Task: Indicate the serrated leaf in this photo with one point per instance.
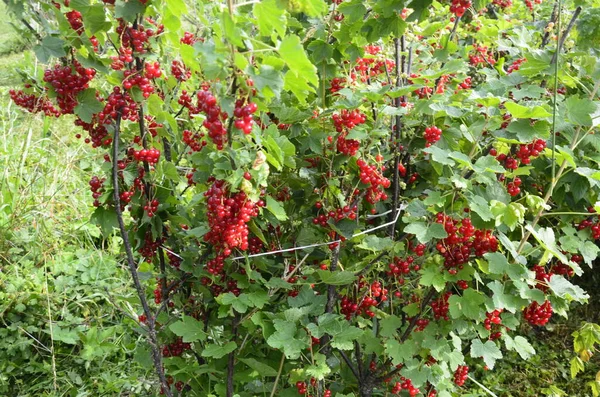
(389, 326)
(526, 112)
(284, 338)
(439, 155)
(50, 47)
(401, 352)
(470, 305)
(336, 277)
(488, 351)
(190, 329)
(579, 110)
(292, 52)
(217, 351)
(276, 209)
(563, 288)
(425, 232)
(376, 244)
(520, 345)
(498, 264)
(480, 206)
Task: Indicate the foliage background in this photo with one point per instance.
(60, 331)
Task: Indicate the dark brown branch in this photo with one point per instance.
(553, 16)
(349, 364)
(152, 338)
(396, 140)
(331, 295)
(563, 36)
(231, 358)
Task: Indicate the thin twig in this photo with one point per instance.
(152, 338)
(349, 364)
(563, 36)
(278, 375)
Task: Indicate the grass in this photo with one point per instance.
(60, 331)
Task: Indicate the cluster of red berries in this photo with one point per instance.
(463, 241)
(337, 215)
(194, 141)
(400, 267)
(458, 7)
(189, 39)
(522, 156)
(460, 375)
(513, 187)
(150, 156)
(492, 318)
(503, 3)
(588, 223)
(125, 56)
(126, 197)
(369, 68)
(465, 84)
(33, 103)
(176, 348)
(243, 114)
(68, 81)
(530, 3)
(302, 387)
(97, 132)
(118, 102)
(180, 71)
(133, 78)
(432, 135)
(516, 65)
(149, 247)
(344, 122)
(152, 70)
(96, 188)
(337, 83)
(369, 175)
(481, 56)
(134, 38)
(440, 306)
(405, 384)
(374, 295)
(151, 207)
(75, 20)
(537, 314)
(207, 103)
(228, 216)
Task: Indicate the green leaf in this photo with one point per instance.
(589, 251)
(470, 305)
(389, 326)
(128, 10)
(284, 338)
(216, 351)
(498, 264)
(94, 19)
(190, 329)
(432, 276)
(263, 369)
(268, 82)
(488, 351)
(88, 105)
(563, 288)
(177, 7)
(526, 132)
(276, 209)
(520, 345)
(344, 340)
(270, 18)
(312, 8)
(292, 52)
(106, 219)
(376, 244)
(337, 277)
(579, 110)
(525, 112)
(439, 155)
(480, 206)
(401, 352)
(425, 232)
(50, 47)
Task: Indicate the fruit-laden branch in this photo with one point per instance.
(152, 339)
